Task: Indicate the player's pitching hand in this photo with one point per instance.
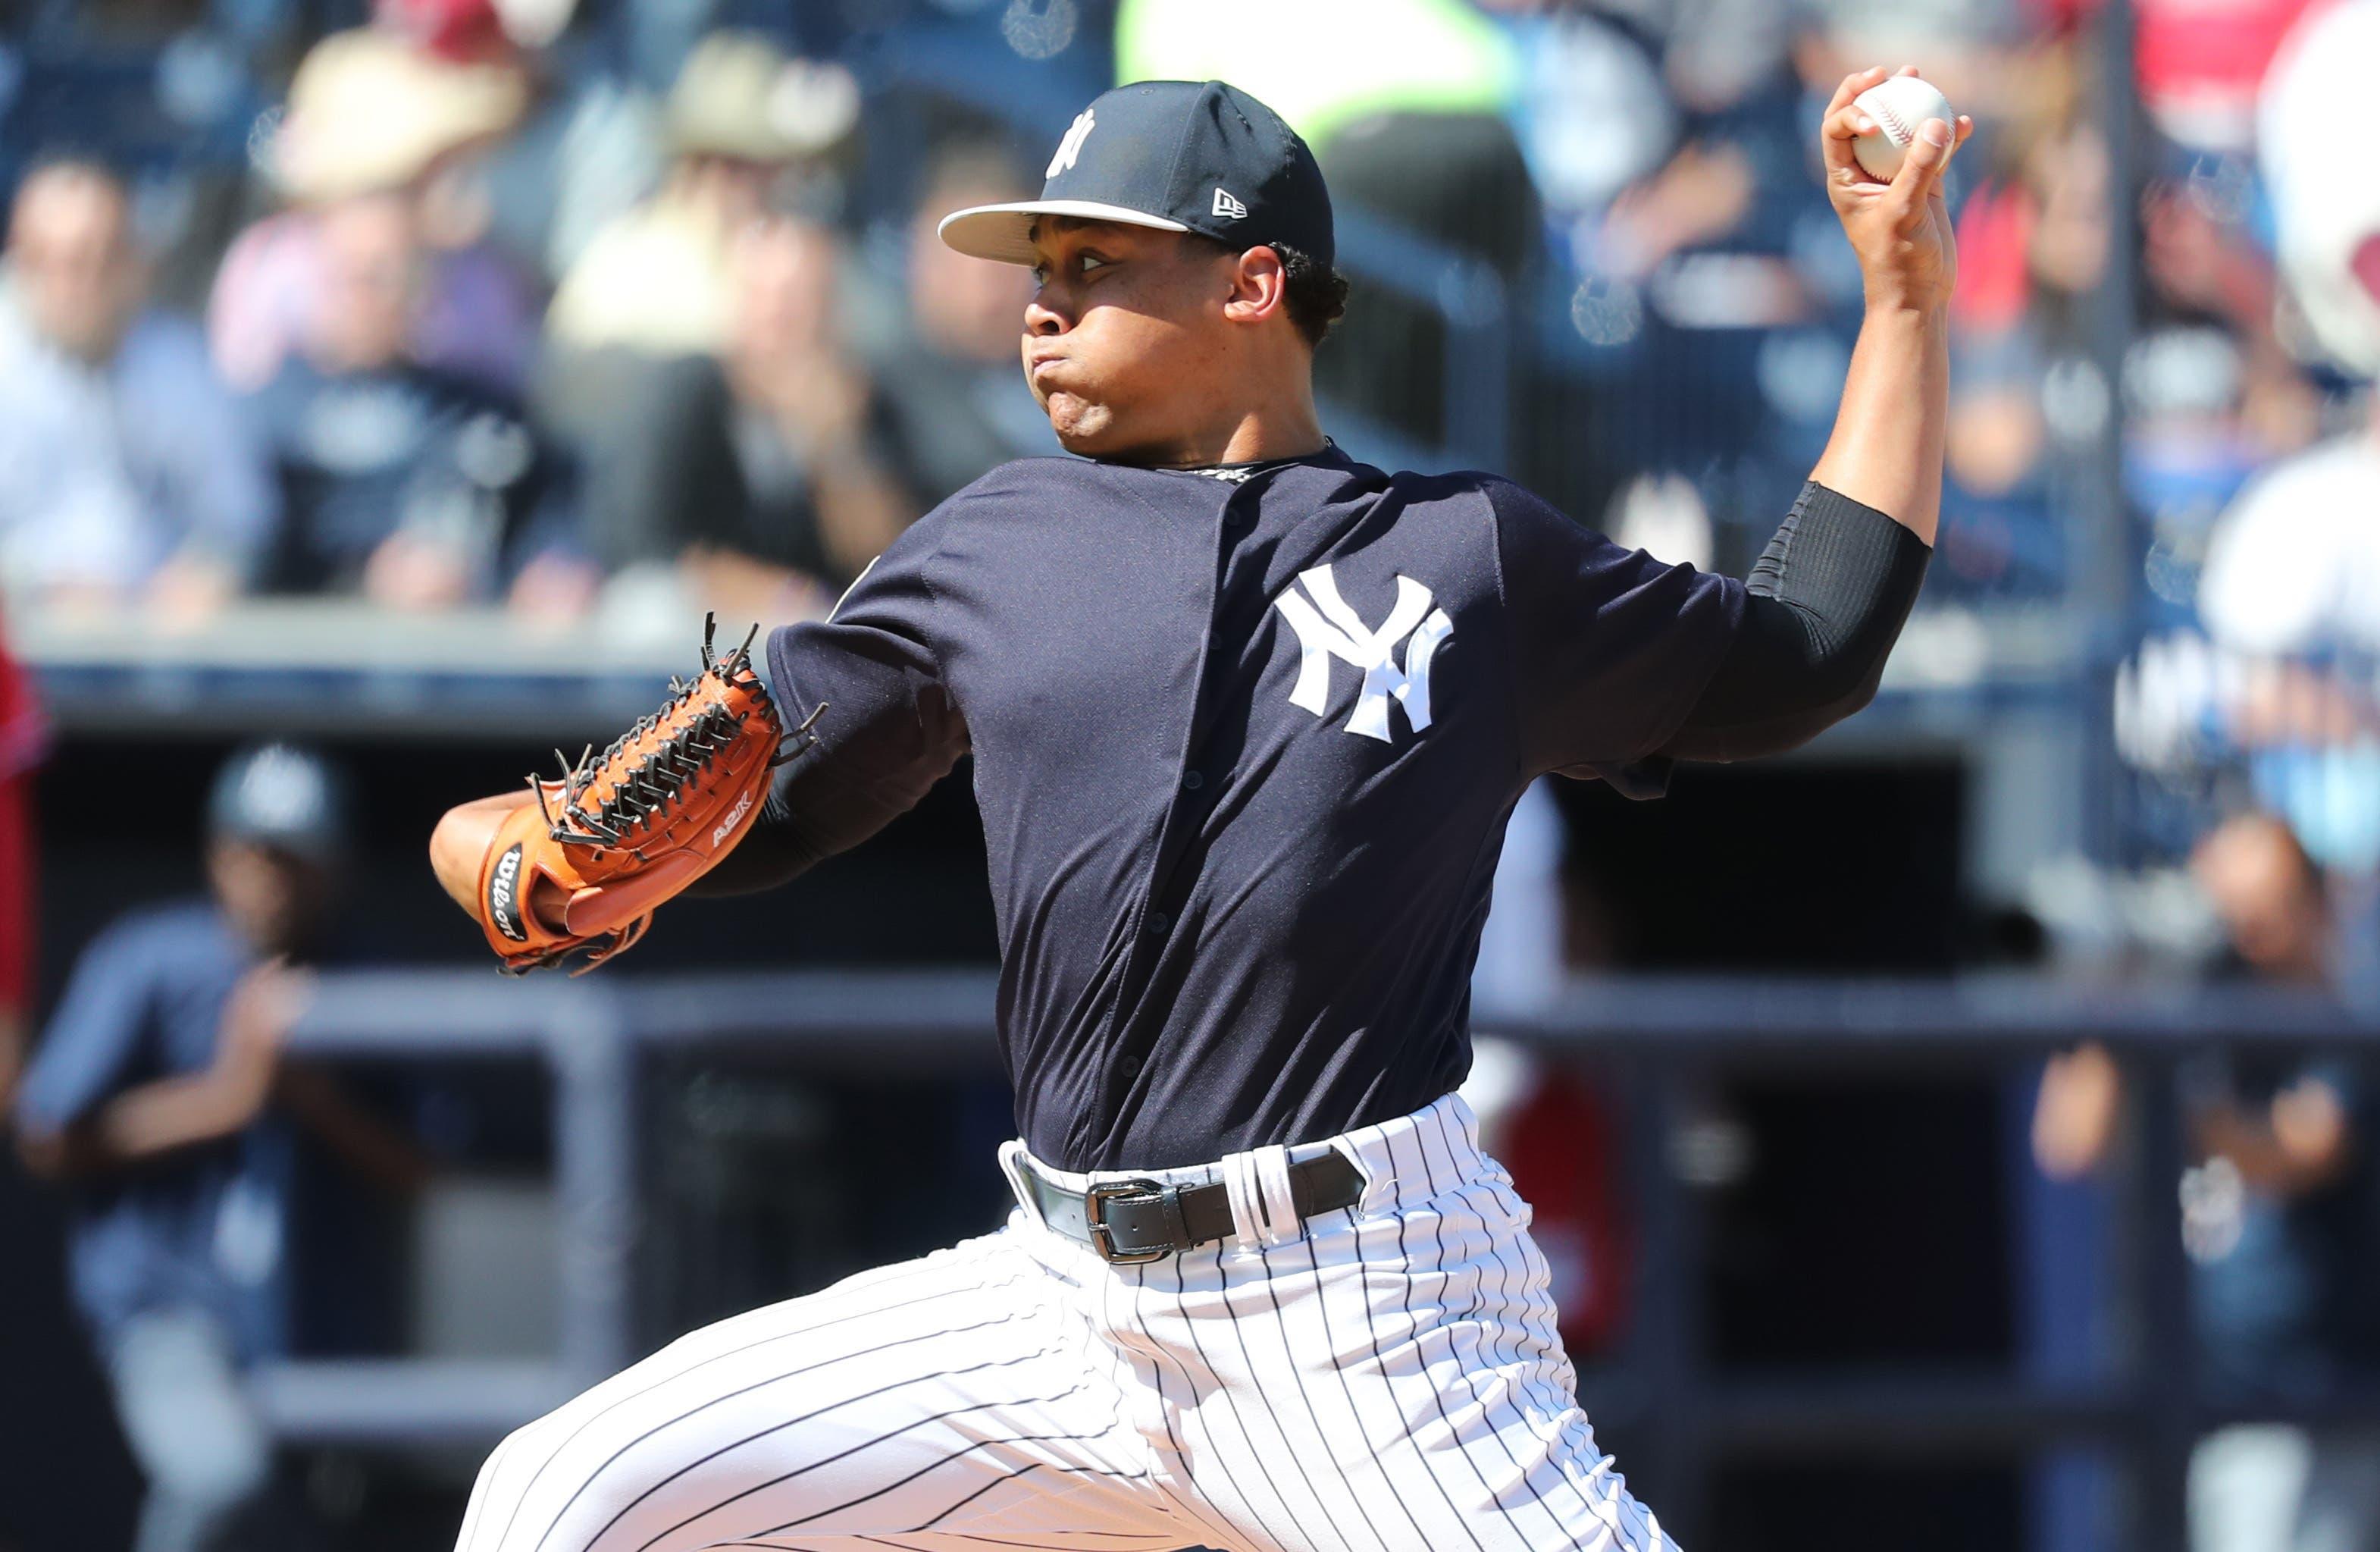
(1907, 256)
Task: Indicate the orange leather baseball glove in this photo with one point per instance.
(583, 868)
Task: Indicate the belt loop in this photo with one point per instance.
(1282, 1223)
(1012, 1164)
(1380, 1180)
(1241, 1191)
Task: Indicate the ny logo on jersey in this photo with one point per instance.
(1071, 146)
(1327, 627)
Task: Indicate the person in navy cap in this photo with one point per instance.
(1248, 717)
(148, 1097)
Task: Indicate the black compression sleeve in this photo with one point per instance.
(772, 852)
(1825, 605)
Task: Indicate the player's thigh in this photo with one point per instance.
(885, 1404)
(1396, 1381)
(1511, 1438)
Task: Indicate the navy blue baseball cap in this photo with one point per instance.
(281, 796)
(1175, 155)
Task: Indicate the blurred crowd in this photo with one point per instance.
(468, 313)
(565, 306)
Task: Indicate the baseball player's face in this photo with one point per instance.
(273, 897)
(1125, 342)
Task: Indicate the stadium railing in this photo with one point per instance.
(1654, 1037)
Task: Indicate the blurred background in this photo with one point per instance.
(1985, 1158)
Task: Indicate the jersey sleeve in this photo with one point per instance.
(887, 727)
(1612, 648)
(94, 1037)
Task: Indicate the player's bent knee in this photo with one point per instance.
(524, 1456)
(553, 1482)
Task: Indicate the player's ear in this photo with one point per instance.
(1259, 286)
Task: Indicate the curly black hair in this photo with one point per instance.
(1316, 295)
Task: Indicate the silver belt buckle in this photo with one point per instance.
(1095, 1207)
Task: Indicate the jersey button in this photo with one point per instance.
(1130, 1066)
(1158, 922)
(1192, 781)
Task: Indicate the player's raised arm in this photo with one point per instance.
(1885, 452)
(1829, 595)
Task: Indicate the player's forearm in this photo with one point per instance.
(1887, 448)
(777, 850)
(175, 1113)
(2264, 1161)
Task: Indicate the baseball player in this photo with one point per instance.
(1248, 717)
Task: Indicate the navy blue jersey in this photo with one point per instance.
(199, 1227)
(1244, 748)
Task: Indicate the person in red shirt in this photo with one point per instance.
(21, 736)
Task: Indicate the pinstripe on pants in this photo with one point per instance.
(1389, 1382)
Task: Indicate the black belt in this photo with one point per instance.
(1130, 1223)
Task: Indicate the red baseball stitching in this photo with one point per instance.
(1897, 127)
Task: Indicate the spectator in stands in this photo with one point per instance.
(745, 123)
(21, 737)
(419, 488)
(764, 477)
(2291, 581)
(950, 378)
(125, 472)
(2276, 1214)
(588, 149)
(148, 1095)
(2038, 229)
(2295, 564)
(374, 112)
(2291, 591)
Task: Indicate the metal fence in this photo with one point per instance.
(1657, 1040)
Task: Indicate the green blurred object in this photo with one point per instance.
(1326, 63)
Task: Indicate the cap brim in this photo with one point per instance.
(1003, 232)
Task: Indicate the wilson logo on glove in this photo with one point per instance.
(504, 897)
(619, 835)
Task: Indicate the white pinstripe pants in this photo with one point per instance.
(1389, 1381)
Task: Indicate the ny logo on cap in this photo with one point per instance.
(1327, 627)
(1226, 204)
(1071, 146)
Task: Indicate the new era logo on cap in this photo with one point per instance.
(1174, 155)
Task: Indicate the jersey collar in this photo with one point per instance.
(1238, 473)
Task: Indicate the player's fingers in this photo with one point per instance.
(1844, 124)
(1921, 165)
(1960, 129)
(1853, 85)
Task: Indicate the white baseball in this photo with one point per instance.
(1898, 106)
